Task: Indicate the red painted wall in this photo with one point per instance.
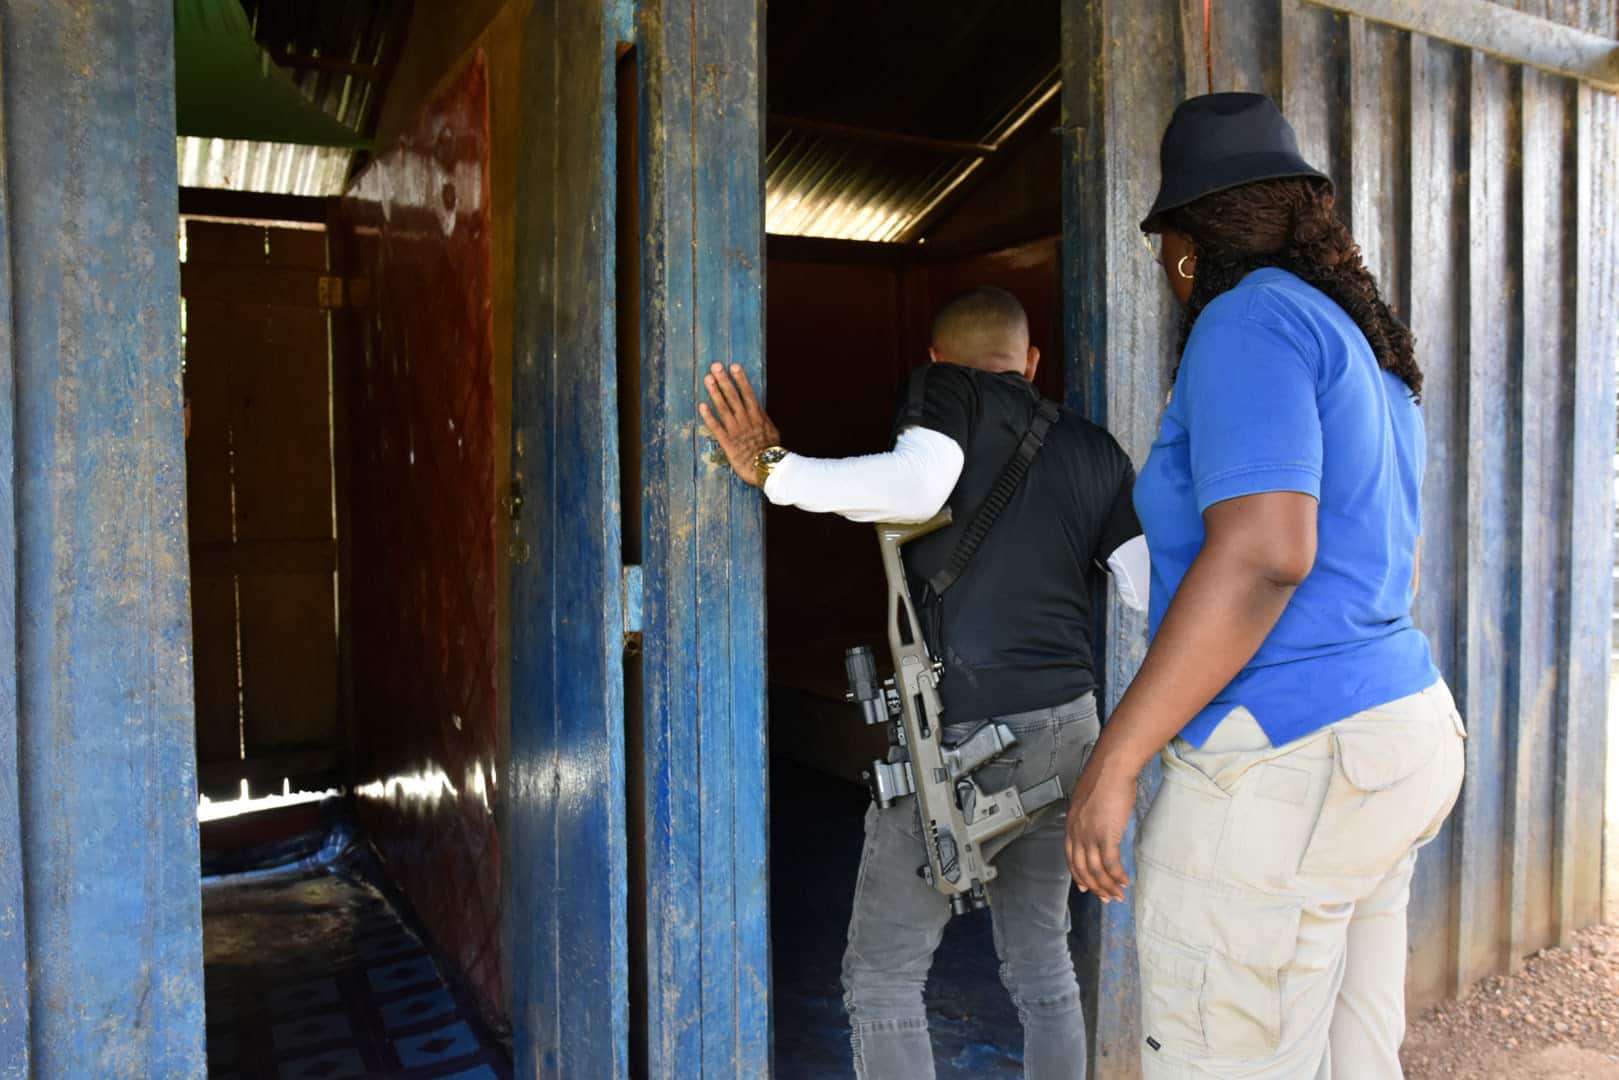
(423, 523)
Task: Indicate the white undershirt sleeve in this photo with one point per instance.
(1131, 567)
(911, 482)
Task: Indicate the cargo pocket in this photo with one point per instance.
(1187, 821)
(1211, 965)
(1377, 802)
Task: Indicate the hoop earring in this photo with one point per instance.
(1180, 267)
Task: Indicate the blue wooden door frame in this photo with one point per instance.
(708, 942)
(706, 983)
(564, 836)
(99, 870)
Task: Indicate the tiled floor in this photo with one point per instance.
(311, 975)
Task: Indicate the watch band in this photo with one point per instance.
(766, 460)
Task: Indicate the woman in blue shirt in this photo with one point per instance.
(1309, 746)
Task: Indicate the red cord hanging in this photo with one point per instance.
(1208, 42)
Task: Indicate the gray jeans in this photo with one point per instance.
(898, 918)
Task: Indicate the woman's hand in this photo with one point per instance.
(1098, 814)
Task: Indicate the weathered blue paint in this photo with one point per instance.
(105, 774)
(671, 610)
(707, 934)
(1484, 197)
(634, 589)
(14, 1056)
(565, 831)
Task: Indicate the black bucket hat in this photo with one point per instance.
(1220, 141)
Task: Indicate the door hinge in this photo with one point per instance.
(336, 292)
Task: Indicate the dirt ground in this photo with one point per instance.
(1558, 1018)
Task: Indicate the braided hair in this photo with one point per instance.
(1290, 224)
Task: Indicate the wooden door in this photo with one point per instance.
(261, 510)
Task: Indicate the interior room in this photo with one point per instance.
(344, 467)
(912, 152)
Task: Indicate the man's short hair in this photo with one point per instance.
(983, 323)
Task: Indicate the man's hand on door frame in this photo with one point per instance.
(736, 421)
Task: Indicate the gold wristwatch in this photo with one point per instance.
(767, 459)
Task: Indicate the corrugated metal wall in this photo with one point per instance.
(1484, 195)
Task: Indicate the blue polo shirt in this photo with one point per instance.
(1278, 390)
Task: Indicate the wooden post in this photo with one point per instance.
(97, 768)
(708, 979)
(1119, 329)
(564, 839)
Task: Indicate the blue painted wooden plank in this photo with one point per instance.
(1587, 638)
(107, 768)
(590, 621)
(729, 327)
(1438, 206)
(569, 928)
(14, 1028)
(738, 49)
(704, 660)
(532, 886)
(669, 471)
(712, 142)
(633, 587)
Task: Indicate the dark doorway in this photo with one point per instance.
(912, 153)
(261, 506)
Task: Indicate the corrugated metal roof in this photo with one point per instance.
(338, 55)
(877, 115)
(843, 187)
(275, 168)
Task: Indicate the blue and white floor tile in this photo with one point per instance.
(311, 975)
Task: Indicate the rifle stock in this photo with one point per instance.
(956, 816)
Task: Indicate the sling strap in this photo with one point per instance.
(1006, 485)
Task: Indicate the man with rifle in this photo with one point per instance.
(1040, 503)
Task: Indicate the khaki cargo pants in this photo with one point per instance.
(1271, 892)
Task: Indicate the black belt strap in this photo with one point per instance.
(1045, 414)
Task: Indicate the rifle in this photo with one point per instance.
(957, 816)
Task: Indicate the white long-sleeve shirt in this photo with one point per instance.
(912, 482)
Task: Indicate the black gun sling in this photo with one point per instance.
(1006, 485)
